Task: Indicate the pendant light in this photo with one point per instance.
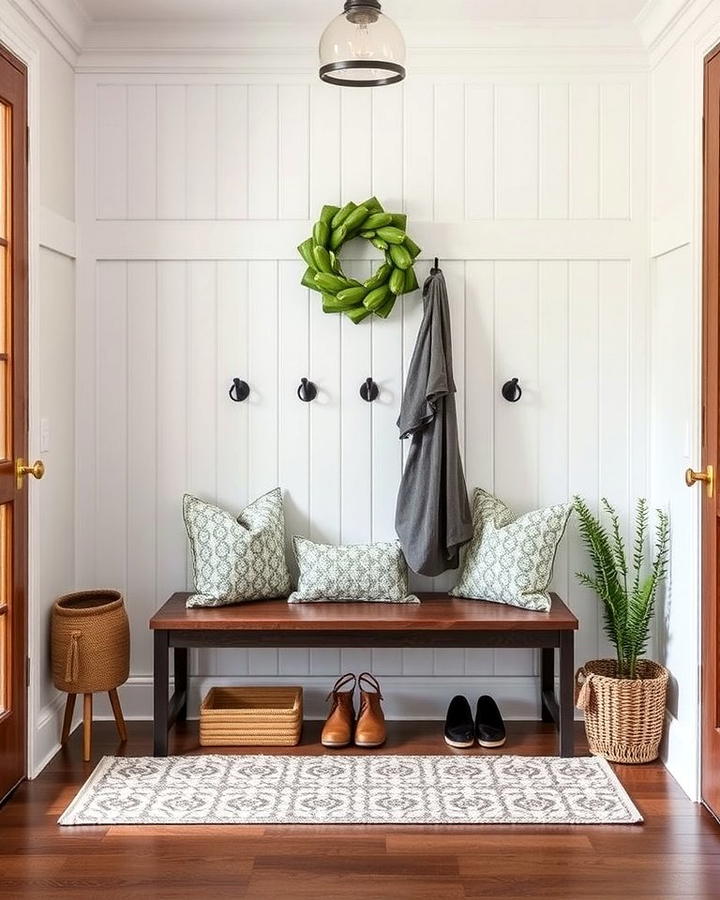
(362, 47)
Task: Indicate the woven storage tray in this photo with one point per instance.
(251, 716)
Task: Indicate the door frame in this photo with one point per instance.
(704, 45)
(22, 44)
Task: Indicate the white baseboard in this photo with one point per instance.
(46, 740)
(680, 755)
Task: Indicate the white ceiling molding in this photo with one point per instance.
(62, 22)
(658, 18)
(285, 47)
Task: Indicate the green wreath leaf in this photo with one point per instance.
(385, 231)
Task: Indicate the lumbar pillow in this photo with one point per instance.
(241, 559)
(371, 572)
(511, 561)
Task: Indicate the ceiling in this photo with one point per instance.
(322, 10)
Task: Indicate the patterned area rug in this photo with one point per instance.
(321, 790)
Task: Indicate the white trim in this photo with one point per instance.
(46, 733)
(262, 239)
(658, 18)
(53, 19)
(57, 233)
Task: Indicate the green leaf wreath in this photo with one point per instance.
(386, 231)
(627, 593)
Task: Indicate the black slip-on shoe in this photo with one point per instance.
(459, 728)
(489, 725)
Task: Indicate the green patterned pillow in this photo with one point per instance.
(511, 561)
(241, 559)
(367, 572)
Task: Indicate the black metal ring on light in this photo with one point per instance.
(362, 64)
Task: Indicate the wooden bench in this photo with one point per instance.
(439, 621)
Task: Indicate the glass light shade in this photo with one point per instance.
(362, 48)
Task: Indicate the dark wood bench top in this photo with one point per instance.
(437, 612)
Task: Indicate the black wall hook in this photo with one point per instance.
(512, 391)
(239, 391)
(306, 391)
(369, 390)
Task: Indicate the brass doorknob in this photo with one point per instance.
(37, 470)
(708, 477)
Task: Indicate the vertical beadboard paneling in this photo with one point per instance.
(325, 414)
(201, 166)
(613, 397)
(111, 418)
(232, 449)
(419, 150)
(170, 336)
(583, 435)
(449, 152)
(325, 147)
(232, 362)
(614, 151)
(479, 151)
(293, 151)
(293, 414)
(516, 430)
(387, 146)
(141, 451)
(516, 151)
(172, 435)
(584, 151)
(356, 139)
(142, 152)
(171, 148)
(356, 430)
(232, 151)
(480, 388)
(554, 151)
(201, 393)
(553, 399)
(262, 126)
(111, 160)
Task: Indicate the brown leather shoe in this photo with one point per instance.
(338, 728)
(370, 728)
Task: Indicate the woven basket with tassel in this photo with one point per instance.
(90, 642)
(624, 717)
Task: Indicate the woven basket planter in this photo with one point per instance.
(90, 642)
(624, 717)
(251, 716)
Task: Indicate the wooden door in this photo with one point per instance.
(13, 420)
(710, 774)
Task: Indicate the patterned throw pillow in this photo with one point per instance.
(241, 559)
(511, 561)
(370, 572)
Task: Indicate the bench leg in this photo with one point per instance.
(181, 681)
(567, 700)
(161, 676)
(547, 682)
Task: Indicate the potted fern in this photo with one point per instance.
(624, 698)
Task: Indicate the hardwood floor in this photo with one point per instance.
(676, 853)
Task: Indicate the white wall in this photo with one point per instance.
(676, 202)
(52, 353)
(196, 189)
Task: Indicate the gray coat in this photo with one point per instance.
(433, 518)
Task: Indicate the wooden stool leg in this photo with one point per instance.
(87, 726)
(67, 720)
(117, 712)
